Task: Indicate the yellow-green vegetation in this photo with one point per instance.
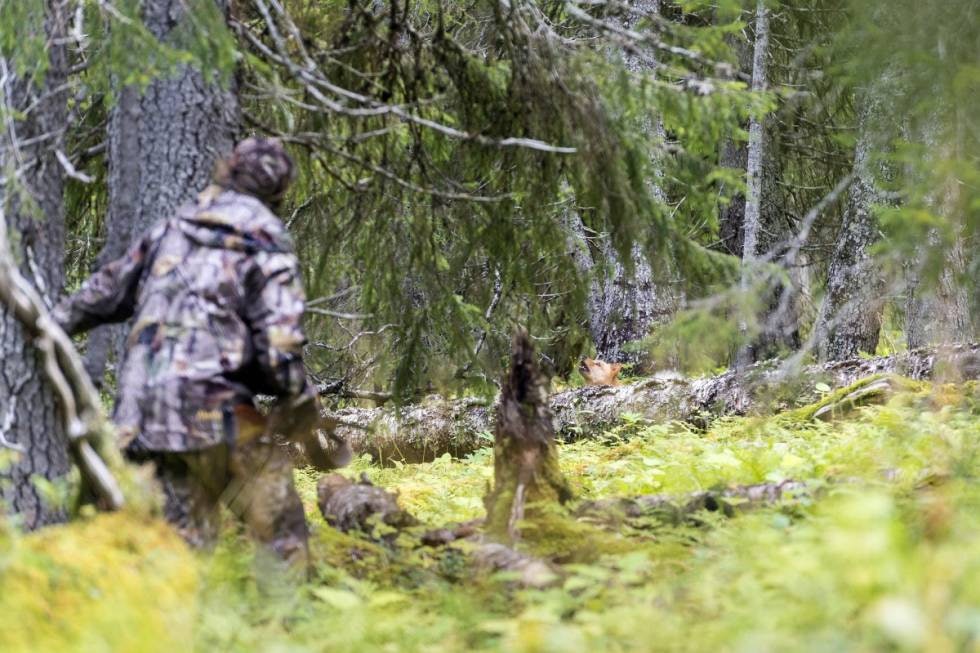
(883, 555)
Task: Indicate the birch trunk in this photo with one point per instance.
(775, 319)
(754, 159)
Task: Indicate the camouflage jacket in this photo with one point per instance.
(217, 299)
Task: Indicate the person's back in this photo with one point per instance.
(219, 276)
(216, 300)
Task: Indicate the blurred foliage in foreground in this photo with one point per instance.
(885, 559)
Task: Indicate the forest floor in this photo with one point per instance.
(880, 553)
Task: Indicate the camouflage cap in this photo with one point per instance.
(259, 167)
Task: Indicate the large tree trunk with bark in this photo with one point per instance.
(938, 312)
(424, 432)
(938, 307)
(32, 200)
(163, 141)
(628, 300)
(850, 318)
(731, 217)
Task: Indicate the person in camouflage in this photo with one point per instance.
(216, 299)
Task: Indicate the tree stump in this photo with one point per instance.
(349, 506)
(527, 480)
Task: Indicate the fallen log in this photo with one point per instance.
(426, 431)
(673, 509)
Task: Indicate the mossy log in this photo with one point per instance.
(674, 509)
(525, 458)
(426, 431)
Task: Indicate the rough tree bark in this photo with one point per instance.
(458, 428)
(81, 408)
(163, 142)
(764, 231)
(850, 316)
(731, 217)
(624, 304)
(734, 155)
(940, 313)
(32, 200)
(754, 159)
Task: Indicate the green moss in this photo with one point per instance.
(897, 383)
(112, 582)
(884, 558)
(554, 535)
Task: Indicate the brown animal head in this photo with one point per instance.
(600, 372)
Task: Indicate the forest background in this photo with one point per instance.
(684, 185)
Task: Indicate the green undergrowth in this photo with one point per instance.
(882, 555)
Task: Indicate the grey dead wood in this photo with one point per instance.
(437, 427)
(674, 509)
(526, 473)
(350, 506)
(360, 507)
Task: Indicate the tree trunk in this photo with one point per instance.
(734, 156)
(525, 460)
(939, 313)
(625, 304)
(731, 218)
(32, 200)
(765, 233)
(754, 159)
(163, 145)
(418, 433)
(850, 317)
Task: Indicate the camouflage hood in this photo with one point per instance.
(225, 219)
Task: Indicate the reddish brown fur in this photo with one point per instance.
(598, 372)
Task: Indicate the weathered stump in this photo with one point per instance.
(526, 477)
(349, 506)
